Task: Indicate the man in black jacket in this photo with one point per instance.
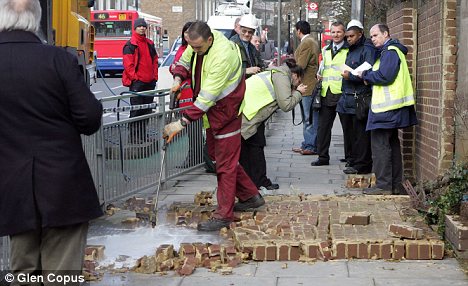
(47, 194)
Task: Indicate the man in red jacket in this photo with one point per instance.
(140, 62)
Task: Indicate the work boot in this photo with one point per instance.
(252, 203)
(213, 224)
(376, 191)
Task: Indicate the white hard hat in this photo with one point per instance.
(354, 23)
(249, 21)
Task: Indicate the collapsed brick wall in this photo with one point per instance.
(429, 31)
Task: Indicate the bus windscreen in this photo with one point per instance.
(113, 28)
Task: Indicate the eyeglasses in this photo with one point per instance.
(246, 31)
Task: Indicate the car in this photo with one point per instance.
(164, 75)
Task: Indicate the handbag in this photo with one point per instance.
(317, 97)
(363, 102)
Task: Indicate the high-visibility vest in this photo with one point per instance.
(220, 75)
(331, 75)
(259, 92)
(396, 95)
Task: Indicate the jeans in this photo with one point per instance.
(310, 130)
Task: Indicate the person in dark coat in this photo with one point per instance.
(392, 108)
(47, 194)
(355, 93)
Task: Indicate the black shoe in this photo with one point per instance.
(252, 203)
(349, 164)
(213, 224)
(343, 160)
(350, 170)
(319, 163)
(272, 187)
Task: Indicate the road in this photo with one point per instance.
(114, 87)
(109, 86)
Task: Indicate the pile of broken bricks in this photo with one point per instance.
(301, 228)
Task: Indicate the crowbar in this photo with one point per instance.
(154, 213)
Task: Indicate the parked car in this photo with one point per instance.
(164, 76)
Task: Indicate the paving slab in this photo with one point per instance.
(331, 281)
(318, 269)
(421, 269)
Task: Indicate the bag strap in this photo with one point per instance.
(302, 114)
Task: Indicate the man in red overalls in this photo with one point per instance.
(218, 86)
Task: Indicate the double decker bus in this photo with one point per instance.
(113, 29)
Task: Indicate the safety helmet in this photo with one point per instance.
(249, 21)
(354, 23)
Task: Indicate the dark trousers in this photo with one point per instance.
(362, 153)
(252, 157)
(349, 136)
(387, 158)
(137, 129)
(58, 250)
(327, 116)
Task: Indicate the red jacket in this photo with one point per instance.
(133, 59)
(186, 95)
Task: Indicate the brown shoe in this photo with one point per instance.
(308, 152)
(297, 149)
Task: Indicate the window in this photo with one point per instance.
(113, 28)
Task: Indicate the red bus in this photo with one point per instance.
(113, 29)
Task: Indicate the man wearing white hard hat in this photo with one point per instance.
(251, 61)
(353, 105)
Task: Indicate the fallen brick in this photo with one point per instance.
(424, 250)
(437, 249)
(259, 253)
(405, 231)
(186, 269)
(386, 250)
(412, 250)
(398, 250)
(98, 251)
(374, 251)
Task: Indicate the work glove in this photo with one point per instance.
(175, 86)
(172, 129)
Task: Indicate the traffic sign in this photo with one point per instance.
(313, 6)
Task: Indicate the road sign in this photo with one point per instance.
(313, 6)
(313, 14)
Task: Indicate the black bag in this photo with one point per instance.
(316, 96)
(363, 102)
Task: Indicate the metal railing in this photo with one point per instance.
(125, 155)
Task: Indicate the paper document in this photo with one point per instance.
(365, 66)
(345, 67)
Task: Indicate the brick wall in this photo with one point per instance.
(428, 147)
(402, 21)
(172, 21)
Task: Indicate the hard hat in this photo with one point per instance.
(249, 21)
(354, 23)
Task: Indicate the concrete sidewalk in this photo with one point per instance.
(295, 175)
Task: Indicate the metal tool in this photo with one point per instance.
(173, 99)
(154, 213)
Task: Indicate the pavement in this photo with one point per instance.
(295, 175)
